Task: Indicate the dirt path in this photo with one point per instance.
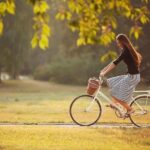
(71, 125)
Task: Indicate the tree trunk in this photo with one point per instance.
(14, 74)
(0, 75)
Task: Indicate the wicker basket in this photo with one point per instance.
(93, 85)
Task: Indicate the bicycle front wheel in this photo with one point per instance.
(85, 110)
(141, 116)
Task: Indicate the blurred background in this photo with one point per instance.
(63, 61)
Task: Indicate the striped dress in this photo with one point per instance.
(122, 86)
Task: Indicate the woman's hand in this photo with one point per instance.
(102, 74)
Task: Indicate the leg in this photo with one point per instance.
(124, 104)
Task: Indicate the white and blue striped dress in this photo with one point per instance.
(122, 86)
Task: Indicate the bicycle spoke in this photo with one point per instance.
(85, 110)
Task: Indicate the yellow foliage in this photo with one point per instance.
(90, 41)
(146, 1)
(46, 30)
(34, 41)
(41, 27)
(81, 41)
(1, 27)
(109, 55)
(98, 1)
(57, 16)
(107, 38)
(136, 31)
(44, 7)
(43, 42)
(63, 16)
(36, 8)
(40, 7)
(136, 34)
(144, 19)
(10, 7)
(68, 16)
(72, 6)
(2, 8)
(73, 28)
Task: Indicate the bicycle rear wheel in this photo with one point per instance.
(141, 116)
(85, 110)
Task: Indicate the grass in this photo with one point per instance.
(62, 138)
(33, 102)
(29, 101)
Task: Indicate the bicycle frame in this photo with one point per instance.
(147, 95)
(99, 93)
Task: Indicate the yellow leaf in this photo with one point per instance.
(104, 58)
(2, 7)
(62, 16)
(81, 41)
(10, 7)
(34, 41)
(44, 7)
(40, 7)
(46, 30)
(57, 16)
(1, 27)
(109, 55)
(144, 19)
(114, 24)
(131, 31)
(73, 29)
(43, 43)
(136, 35)
(72, 6)
(36, 8)
(68, 16)
(90, 41)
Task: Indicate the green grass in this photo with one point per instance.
(30, 101)
(33, 102)
(63, 138)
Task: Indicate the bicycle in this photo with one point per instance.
(86, 110)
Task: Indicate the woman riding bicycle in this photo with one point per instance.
(122, 86)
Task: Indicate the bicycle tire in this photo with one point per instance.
(84, 123)
(141, 120)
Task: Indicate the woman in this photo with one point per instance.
(122, 86)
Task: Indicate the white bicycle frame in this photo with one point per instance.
(147, 94)
(99, 93)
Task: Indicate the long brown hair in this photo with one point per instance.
(125, 42)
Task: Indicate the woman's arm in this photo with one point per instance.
(107, 69)
(113, 64)
(104, 69)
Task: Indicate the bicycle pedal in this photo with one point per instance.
(126, 116)
(111, 106)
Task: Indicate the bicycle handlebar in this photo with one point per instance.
(101, 79)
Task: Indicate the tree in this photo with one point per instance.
(95, 20)
(15, 43)
(92, 22)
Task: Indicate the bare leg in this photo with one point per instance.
(124, 104)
